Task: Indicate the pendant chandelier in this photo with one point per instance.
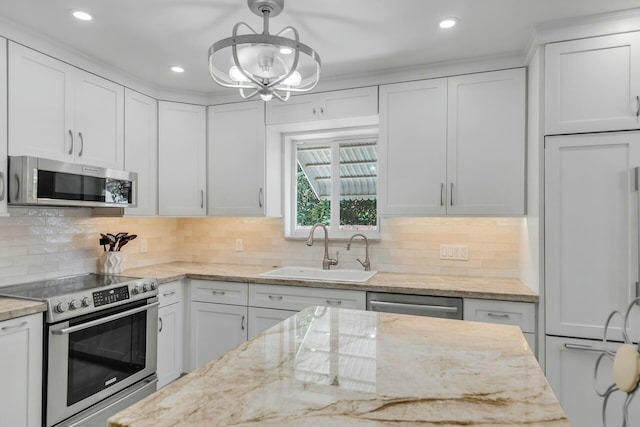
(261, 63)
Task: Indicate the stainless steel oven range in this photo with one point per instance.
(100, 345)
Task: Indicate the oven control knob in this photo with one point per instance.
(135, 290)
(86, 302)
(61, 307)
(146, 287)
(153, 286)
(74, 304)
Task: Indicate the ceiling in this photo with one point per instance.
(145, 37)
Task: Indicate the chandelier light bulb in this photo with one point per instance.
(293, 80)
(236, 75)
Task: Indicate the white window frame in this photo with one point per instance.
(290, 182)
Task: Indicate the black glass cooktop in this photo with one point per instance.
(41, 291)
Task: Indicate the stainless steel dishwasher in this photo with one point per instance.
(417, 305)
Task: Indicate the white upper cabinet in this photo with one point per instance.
(182, 159)
(237, 159)
(3, 127)
(593, 84)
(413, 148)
(141, 149)
(324, 105)
(454, 146)
(79, 116)
(486, 143)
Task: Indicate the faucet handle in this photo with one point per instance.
(361, 263)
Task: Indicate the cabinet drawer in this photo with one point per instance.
(505, 312)
(170, 293)
(219, 292)
(296, 298)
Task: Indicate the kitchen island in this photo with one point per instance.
(329, 366)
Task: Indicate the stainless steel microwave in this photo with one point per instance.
(45, 182)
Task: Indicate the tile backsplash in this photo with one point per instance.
(42, 243)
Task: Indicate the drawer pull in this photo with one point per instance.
(498, 316)
(275, 297)
(218, 293)
(168, 294)
(19, 325)
(583, 347)
(334, 302)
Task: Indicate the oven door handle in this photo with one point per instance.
(65, 331)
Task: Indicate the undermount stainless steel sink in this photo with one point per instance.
(309, 273)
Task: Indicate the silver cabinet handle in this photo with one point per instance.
(638, 106)
(442, 194)
(2, 186)
(107, 319)
(275, 297)
(81, 144)
(451, 199)
(160, 322)
(334, 302)
(201, 199)
(583, 347)
(242, 322)
(314, 111)
(71, 149)
(427, 308)
(260, 197)
(498, 316)
(218, 293)
(19, 325)
(168, 294)
(321, 110)
(16, 177)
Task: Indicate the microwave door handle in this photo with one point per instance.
(65, 331)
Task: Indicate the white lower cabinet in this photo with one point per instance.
(21, 371)
(261, 319)
(521, 314)
(570, 366)
(215, 329)
(170, 333)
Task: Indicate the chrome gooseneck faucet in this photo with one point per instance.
(326, 261)
(366, 264)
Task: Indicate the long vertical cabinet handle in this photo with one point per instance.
(81, 144)
(636, 172)
(637, 106)
(242, 323)
(451, 195)
(71, 149)
(160, 320)
(442, 194)
(260, 197)
(201, 199)
(2, 186)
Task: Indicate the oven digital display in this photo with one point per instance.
(110, 296)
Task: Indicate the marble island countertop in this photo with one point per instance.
(338, 367)
(498, 288)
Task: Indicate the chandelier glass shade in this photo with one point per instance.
(261, 63)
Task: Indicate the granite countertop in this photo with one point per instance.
(497, 288)
(328, 366)
(10, 308)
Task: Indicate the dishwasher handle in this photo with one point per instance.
(389, 306)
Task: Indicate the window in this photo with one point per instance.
(334, 182)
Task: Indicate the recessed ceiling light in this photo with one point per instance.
(83, 16)
(448, 23)
(286, 50)
(177, 69)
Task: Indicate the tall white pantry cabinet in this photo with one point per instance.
(592, 147)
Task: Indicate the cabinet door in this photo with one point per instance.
(99, 120)
(3, 127)
(569, 369)
(170, 333)
(215, 329)
(182, 159)
(413, 138)
(261, 319)
(348, 103)
(236, 159)
(486, 142)
(591, 234)
(299, 108)
(41, 121)
(593, 84)
(21, 371)
(141, 149)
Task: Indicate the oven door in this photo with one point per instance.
(92, 357)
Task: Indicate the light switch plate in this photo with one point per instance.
(457, 252)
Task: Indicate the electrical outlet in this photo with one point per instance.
(457, 252)
(143, 246)
(239, 246)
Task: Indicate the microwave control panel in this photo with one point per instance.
(109, 296)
